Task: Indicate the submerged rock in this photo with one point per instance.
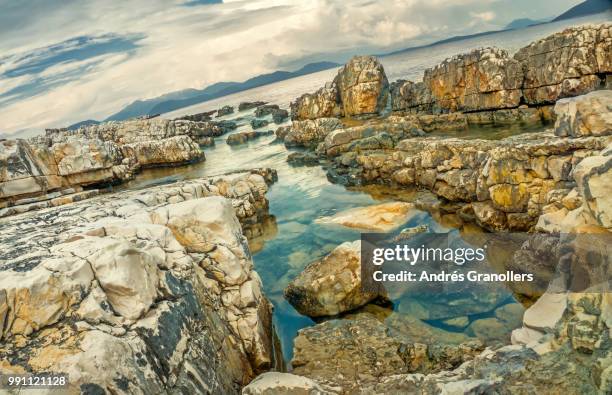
(383, 217)
(259, 123)
(244, 137)
(332, 285)
(246, 105)
(303, 159)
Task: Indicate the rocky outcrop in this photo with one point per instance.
(483, 79)
(279, 115)
(363, 86)
(505, 184)
(225, 110)
(97, 154)
(359, 89)
(199, 117)
(244, 137)
(587, 115)
(324, 103)
(309, 133)
(332, 285)
(275, 383)
(353, 353)
(142, 291)
(568, 63)
(247, 105)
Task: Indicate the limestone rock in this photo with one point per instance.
(480, 80)
(360, 350)
(331, 285)
(140, 291)
(586, 115)
(309, 133)
(244, 137)
(275, 383)
(363, 86)
(324, 103)
(378, 218)
(566, 63)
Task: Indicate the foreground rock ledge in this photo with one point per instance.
(148, 291)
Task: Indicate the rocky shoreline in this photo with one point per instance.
(154, 290)
(141, 291)
(555, 182)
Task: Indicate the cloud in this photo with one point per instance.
(67, 61)
(486, 16)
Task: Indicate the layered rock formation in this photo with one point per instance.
(46, 167)
(360, 88)
(483, 79)
(569, 63)
(504, 184)
(140, 292)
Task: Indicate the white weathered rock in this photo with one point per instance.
(586, 115)
(276, 383)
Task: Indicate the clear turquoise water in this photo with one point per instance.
(294, 239)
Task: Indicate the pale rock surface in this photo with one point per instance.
(377, 218)
(332, 285)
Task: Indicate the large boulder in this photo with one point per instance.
(483, 79)
(586, 115)
(363, 86)
(360, 88)
(332, 285)
(567, 63)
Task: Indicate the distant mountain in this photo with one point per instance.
(587, 7)
(175, 100)
(143, 107)
(83, 123)
(524, 22)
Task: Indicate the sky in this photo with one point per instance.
(66, 61)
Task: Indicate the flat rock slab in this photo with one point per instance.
(377, 218)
